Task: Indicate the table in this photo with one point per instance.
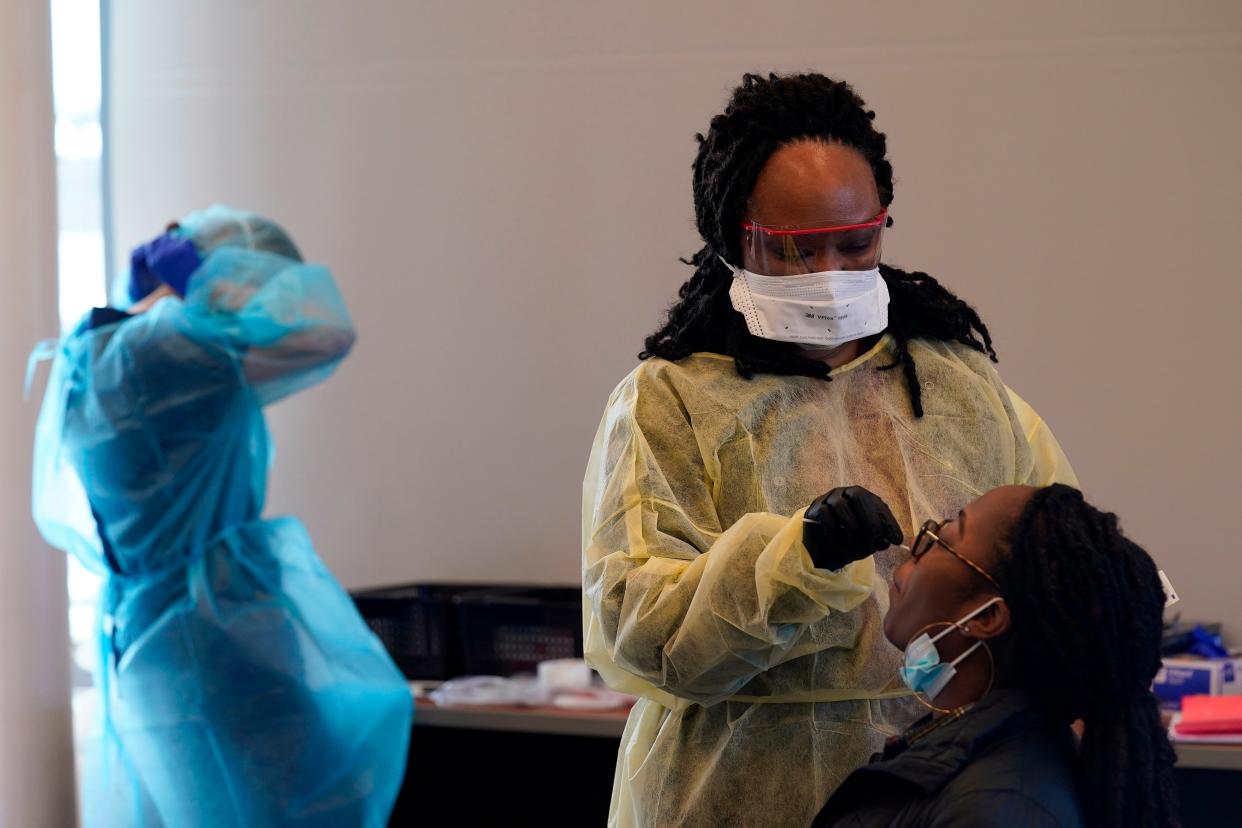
(548, 720)
(509, 766)
(1196, 756)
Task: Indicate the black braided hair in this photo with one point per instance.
(1087, 608)
(765, 114)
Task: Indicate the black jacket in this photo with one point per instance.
(1001, 764)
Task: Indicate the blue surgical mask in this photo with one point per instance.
(923, 671)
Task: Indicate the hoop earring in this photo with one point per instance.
(991, 673)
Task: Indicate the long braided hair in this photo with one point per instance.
(763, 115)
(1088, 608)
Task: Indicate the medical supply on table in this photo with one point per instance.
(1200, 642)
(565, 683)
(1209, 719)
(1182, 637)
(488, 690)
(1196, 661)
(595, 698)
(1183, 676)
(565, 674)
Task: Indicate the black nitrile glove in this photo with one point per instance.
(847, 525)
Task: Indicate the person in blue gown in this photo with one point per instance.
(239, 685)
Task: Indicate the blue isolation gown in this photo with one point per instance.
(239, 685)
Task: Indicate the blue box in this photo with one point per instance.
(1182, 676)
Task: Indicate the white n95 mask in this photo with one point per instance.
(814, 310)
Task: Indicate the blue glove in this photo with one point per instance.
(167, 259)
(141, 280)
(173, 259)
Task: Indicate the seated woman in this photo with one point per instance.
(1025, 612)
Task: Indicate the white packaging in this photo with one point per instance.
(565, 674)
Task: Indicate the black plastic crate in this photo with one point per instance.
(417, 623)
(509, 630)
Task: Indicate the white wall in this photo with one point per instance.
(503, 190)
(36, 749)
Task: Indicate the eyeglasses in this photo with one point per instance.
(878, 220)
(927, 537)
(792, 250)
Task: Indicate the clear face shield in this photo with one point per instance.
(793, 250)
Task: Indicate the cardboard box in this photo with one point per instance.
(1189, 676)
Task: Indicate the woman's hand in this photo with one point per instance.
(846, 525)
